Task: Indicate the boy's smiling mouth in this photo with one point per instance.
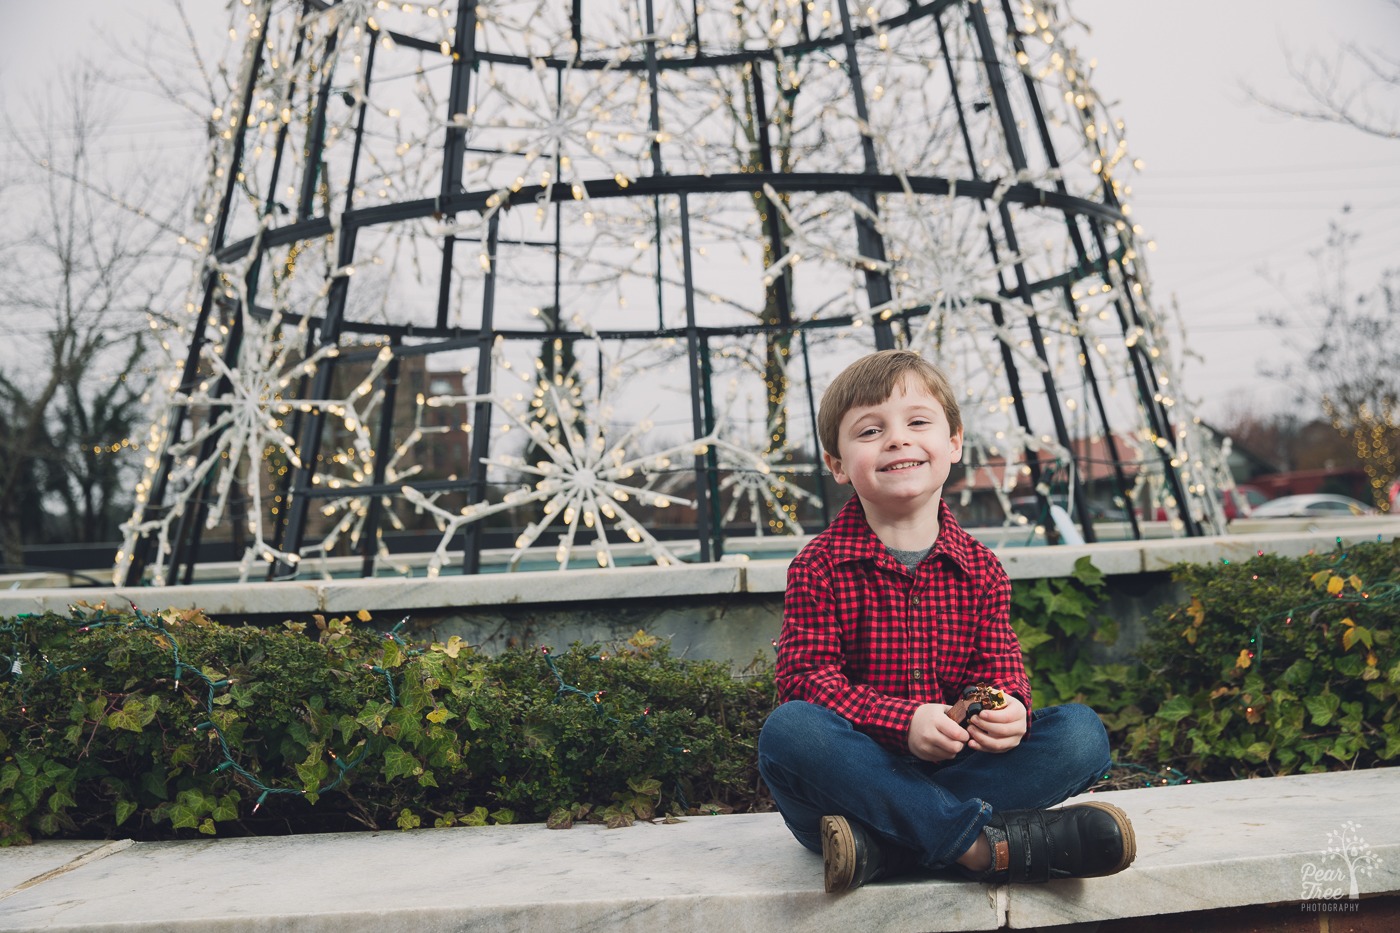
(901, 465)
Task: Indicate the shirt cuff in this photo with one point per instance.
(888, 721)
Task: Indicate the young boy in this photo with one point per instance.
(890, 613)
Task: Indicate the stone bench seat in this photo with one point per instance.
(1201, 847)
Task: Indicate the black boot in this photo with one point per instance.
(853, 856)
(1087, 840)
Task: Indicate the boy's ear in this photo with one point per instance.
(834, 465)
(957, 440)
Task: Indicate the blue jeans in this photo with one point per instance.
(816, 764)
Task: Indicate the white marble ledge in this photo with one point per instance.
(708, 873)
(1199, 847)
(1289, 539)
(20, 865)
(545, 586)
(398, 593)
(293, 596)
(1235, 843)
(766, 577)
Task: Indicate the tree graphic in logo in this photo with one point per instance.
(1346, 844)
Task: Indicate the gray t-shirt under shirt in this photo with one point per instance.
(910, 559)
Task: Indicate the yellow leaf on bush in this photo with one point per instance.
(1371, 672)
(1335, 584)
(1355, 582)
(1197, 611)
(1245, 659)
(1349, 636)
(1319, 579)
(363, 615)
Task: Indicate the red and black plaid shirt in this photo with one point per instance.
(868, 639)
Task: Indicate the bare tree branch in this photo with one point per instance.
(1368, 101)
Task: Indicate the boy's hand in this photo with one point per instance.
(997, 730)
(935, 737)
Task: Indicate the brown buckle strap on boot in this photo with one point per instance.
(1087, 840)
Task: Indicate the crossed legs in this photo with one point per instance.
(816, 765)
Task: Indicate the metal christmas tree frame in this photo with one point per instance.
(603, 256)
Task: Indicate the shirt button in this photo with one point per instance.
(918, 675)
(914, 601)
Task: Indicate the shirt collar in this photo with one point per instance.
(853, 539)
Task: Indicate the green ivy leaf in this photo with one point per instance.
(183, 817)
(649, 787)
(1176, 709)
(1322, 707)
(134, 715)
(1086, 573)
(226, 808)
(1030, 638)
(1258, 751)
(1392, 746)
(399, 763)
(393, 655)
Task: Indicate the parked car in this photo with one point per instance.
(1312, 506)
(1238, 502)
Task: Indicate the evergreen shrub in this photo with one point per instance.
(1273, 666)
(167, 726)
(125, 724)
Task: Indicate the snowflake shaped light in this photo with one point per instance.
(764, 489)
(553, 129)
(353, 466)
(582, 482)
(247, 404)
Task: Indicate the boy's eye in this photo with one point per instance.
(868, 432)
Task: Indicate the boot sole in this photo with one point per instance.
(838, 853)
(1125, 829)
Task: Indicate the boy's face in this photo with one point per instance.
(896, 454)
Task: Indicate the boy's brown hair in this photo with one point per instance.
(872, 379)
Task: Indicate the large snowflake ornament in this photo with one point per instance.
(567, 133)
(764, 489)
(586, 479)
(245, 407)
(353, 466)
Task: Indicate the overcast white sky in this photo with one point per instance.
(1233, 193)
